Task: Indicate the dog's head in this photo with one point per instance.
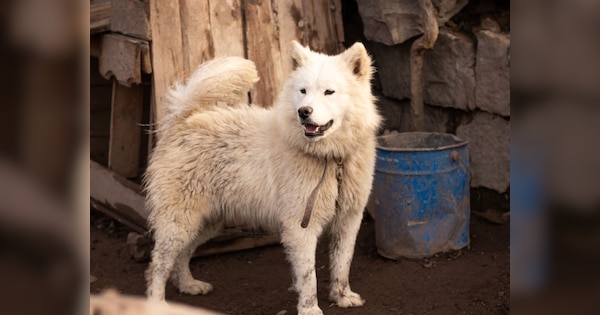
(329, 96)
(324, 87)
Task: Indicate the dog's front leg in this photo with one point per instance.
(301, 246)
(343, 231)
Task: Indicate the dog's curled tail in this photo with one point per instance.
(224, 79)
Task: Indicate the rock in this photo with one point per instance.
(139, 246)
(397, 115)
(489, 24)
(446, 9)
(449, 71)
(393, 22)
(393, 69)
(390, 22)
(489, 149)
(492, 72)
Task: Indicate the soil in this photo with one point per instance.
(474, 280)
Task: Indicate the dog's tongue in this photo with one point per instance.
(311, 128)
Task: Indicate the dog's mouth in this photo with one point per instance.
(311, 130)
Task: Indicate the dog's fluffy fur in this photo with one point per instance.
(257, 167)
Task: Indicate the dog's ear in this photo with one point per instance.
(359, 61)
(299, 54)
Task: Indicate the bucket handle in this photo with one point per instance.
(454, 156)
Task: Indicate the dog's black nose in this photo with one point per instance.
(305, 111)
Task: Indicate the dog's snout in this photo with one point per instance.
(305, 111)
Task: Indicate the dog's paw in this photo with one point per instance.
(195, 287)
(347, 299)
(315, 310)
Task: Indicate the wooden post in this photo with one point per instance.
(417, 53)
(263, 48)
(125, 129)
(167, 48)
(291, 26)
(323, 19)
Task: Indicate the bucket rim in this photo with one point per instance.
(460, 142)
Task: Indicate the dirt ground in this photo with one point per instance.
(470, 281)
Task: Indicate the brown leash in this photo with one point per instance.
(313, 195)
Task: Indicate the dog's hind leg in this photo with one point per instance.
(174, 231)
(181, 274)
(343, 232)
(167, 247)
(301, 246)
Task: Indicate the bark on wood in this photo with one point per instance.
(125, 131)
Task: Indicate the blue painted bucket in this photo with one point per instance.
(421, 194)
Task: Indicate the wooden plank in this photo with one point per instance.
(198, 43)
(236, 244)
(131, 17)
(116, 192)
(322, 26)
(140, 245)
(122, 218)
(290, 21)
(226, 26)
(125, 129)
(338, 24)
(263, 48)
(122, 57)
(167, 48)
(100, 16)
(197, 40)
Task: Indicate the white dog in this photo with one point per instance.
(302, 167)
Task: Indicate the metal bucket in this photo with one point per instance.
(421, 194)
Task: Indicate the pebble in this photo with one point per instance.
(429, 264)
(282, 312)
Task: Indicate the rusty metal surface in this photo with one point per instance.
(421, 194)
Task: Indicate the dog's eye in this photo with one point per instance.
(329, 92)
(303, 91)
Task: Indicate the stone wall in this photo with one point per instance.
(467, 88)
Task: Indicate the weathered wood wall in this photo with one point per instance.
(186, 33)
